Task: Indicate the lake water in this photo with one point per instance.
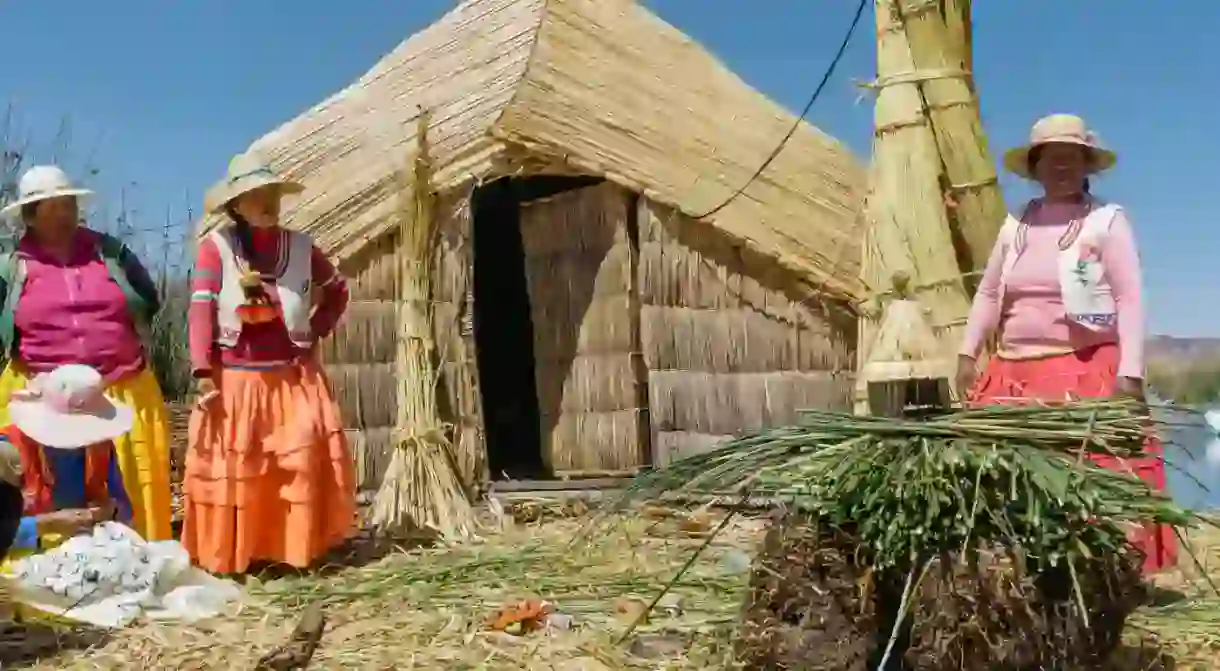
(1193, 482)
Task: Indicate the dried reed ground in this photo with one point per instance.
(1187, 629)
(426, 609)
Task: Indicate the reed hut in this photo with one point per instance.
(590, 320)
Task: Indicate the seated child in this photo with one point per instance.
(63, 425)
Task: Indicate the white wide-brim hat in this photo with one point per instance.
(43, 182)
(1063, 129)
(67, 409)
(247, 172)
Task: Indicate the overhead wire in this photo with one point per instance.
(830, 70)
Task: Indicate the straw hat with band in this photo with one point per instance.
(247, 172)
(43, 182)
(67, 408)
(1064, 129)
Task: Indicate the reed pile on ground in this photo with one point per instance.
(1004, 498)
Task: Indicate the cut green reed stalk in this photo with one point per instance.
(967, 480)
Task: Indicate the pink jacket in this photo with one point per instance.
(1031, 318)
(74, 313)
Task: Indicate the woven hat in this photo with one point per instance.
(247, 172)
(68, 409)
(1060, 128)
(42, 182)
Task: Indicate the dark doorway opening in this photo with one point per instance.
(503, 331)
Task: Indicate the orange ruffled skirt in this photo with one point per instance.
(268, 476)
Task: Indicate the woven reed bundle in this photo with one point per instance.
(421, 491)
(935, 207)
(906, 365)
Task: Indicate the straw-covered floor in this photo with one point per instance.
(1183, 628)
(430, 608)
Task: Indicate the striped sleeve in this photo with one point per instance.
(334, 295)
(201, 318)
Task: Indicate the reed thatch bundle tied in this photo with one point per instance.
(905, 347)
(934, 208)
(906, 368)
(421, 491)
(1007, 495)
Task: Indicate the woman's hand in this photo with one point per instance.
(205, 391)
(68, 522)
(104, 513)
(1129, 387)
(967, 375)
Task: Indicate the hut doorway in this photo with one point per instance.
(503, 327)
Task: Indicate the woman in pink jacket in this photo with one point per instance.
(1062, 292)
(73, 295)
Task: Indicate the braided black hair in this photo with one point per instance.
(245, 246)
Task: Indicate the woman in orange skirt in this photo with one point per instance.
(269, 477)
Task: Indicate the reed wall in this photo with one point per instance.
(728, 347)
(360, 358)
(655, 336)
(581, 262)
(453, 331)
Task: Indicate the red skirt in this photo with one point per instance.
(1088, 373)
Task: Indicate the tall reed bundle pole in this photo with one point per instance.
(908, 227)
(940, 47)
(935, 207)
(421, 491)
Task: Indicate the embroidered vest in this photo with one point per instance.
(1087, 297)
(38, 482)
(292, 287)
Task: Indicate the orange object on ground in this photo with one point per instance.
(1088, 373)
(268, 475)
(529, 614)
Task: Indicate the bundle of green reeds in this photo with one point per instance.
(1013, 475)
(1003, 509)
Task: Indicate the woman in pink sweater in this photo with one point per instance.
(1062, 292)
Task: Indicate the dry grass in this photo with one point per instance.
(427, 609)
(1186, 625)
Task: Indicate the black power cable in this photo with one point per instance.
(830, 70)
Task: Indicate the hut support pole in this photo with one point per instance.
(908, 230)
(940, 50)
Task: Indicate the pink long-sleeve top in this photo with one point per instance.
(259, 345)
(1032, 320)
(70, 311)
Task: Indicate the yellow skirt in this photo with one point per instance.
(143, 453)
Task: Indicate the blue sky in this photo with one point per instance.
(161, 94)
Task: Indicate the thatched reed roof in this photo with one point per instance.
(600, 87)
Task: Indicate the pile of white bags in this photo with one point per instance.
(112, 577)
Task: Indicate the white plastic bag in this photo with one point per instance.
(112, 576)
